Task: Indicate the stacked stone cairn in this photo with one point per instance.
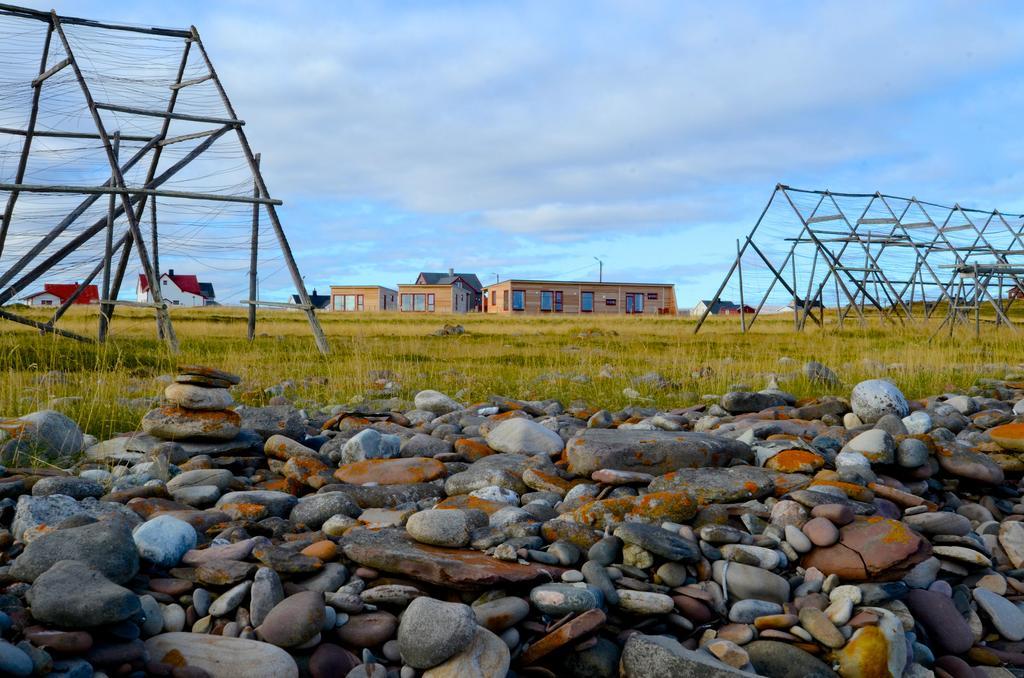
(756, 534)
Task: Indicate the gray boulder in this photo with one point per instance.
(46, 433)
(314, 510)
(524, 436)
(431, 631)
(874, 398)
(274, 419)
(73, 595)
(105, 546)
(435, 402)
(654, 452)
(660, 656)
(35, 512)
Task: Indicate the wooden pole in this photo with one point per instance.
(26, 146)
(254, 244)
(739, 271)
(286, 250)
(163, 317)
(108, 256)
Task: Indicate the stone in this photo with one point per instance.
(486, 655)
(177, 423)
(740, 402)
(391, 471)
(747, 611)
(871, 548)
(432, 631)
(718, 485)
(154, 620)
(524, 436)
(192, 397)
(659, 542)
(659, 656)
(872, 399)
(207, 373)
(1006, 618)
(391, 550)
(173, 618)
(955, 459)
(645, 602)
(274, 419)
(746, 581)
(948, 631)
(875, 444)
(821, 531)
(440, 528)
(1011, 538)
(277, 504)
(70, 486)
(502, 613)
(775, 659)
(315, 509)
(14, 662)
(47, 434)
(71, 594)
(435, 402)
(219, 477)
(875, 650)
(654, 507)
(105, 546)
(559, 599)
(164, 540)
(1008, 436)
(818, 373)
(821, 627)
(294, 621)
(370, 444)
(331, 661)
(37, 515)
(939, 522)
(563, 635)
(230, 599)
(371, 629)
(912, 453)
(655, 452)
(222, 656)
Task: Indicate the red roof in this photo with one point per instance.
(91, 294)
(186, 283)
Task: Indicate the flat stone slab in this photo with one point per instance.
(393, 551)
(222, 657)
(655, 452)
(143, 443)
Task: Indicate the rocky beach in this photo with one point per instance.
(754, 534)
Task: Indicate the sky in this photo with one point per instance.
(526, 139)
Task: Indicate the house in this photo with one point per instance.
(720, 307)
(54, 294)
(439, 298)
(355, 298)
(320, 302)
(579, 298)
(468, 281)
(176, 289)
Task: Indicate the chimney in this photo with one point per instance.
(170, 272)
(451, 272)
(314, 292)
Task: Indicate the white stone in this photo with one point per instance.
(435, 402)
(524, 436)
(164, 540)
(918, 423)
(874, 398)
(494, 493)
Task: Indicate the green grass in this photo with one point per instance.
(523, 357)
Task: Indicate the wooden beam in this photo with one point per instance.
(188, 137)
(26, 13)
(57, 134)
(276, 304)
(172, 116)
(43, 327)
(136, 190)
(51, 71)
(189, 83)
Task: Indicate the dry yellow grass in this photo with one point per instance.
(525, 357)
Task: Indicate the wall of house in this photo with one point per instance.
(375, 298)
(447, 298)
(608, 299)
(172, 294)
(44, 299)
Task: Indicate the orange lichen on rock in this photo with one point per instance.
(464, 501)
(795, 461)
(866, 655)
(655, 507)
(325, 550)
(1008, 436)
(391, 471)
(472, 450)
(244, 511)
(541, 481)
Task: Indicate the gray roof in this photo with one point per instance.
(430, 278)
(207, 290)
(319, 301)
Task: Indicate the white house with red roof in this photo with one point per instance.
(177, 290)
(55, 294)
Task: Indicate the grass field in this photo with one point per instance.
(524, 357)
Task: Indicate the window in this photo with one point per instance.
(430, 302)
(407, 302)
(547, 300)
(419, 302)
(634, 302)
(653, 296)
(587, 302)
(348, 302)
(611, 302)
(518, 300)
(558, 302)
(46, 302)
(504, 300)
(494, 297)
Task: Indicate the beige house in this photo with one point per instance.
(537, 297)
(362, 298)
(442, 298)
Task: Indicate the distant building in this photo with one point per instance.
(177, 290)
(579, 298)
(720, 307)
(55, 294)
(468, 281)
(320, 301)
(357, 298)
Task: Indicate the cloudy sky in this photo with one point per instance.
(524, 139)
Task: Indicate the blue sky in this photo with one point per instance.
(524, 139)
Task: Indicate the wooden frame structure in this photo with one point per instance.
(127, 203)
(899, 258)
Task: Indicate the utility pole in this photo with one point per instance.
(600, 270)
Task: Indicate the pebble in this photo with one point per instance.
(432, 631)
